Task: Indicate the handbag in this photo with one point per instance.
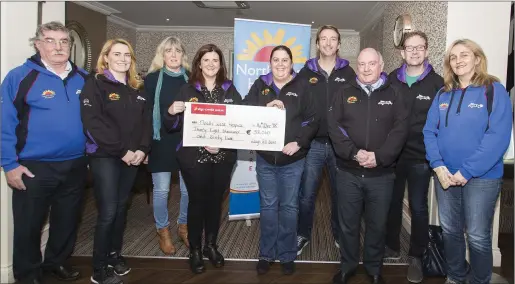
(433, 259)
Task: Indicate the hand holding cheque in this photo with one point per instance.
(215, 126)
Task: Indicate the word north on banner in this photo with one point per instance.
(234, 127)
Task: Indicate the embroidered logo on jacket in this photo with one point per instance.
(339, 79)
(48, 94)
(444, 106)
(114, 96)
(78, 91)
(382, 103)
(473, 105)
(265, 92)
(86, 102)
(228, 101)
(291, 94)
(352, 100)
(194, 99)
(313, 80)
(141, 98)
(420, 97)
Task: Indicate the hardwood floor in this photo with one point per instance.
(163, 270)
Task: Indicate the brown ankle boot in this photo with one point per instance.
(165, 241)
(182, 231)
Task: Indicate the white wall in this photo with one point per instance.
(486, 23)
(15, 49)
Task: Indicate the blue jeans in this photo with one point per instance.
(320, 154)
(279, 199)
(161, 189)
(468, 209)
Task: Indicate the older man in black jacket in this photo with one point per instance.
(368, 127)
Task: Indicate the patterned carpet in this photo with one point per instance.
(236, 239)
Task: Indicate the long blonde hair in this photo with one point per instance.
(480, 77)
(133, 79)
(158, 61)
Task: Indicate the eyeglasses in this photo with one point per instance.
(411, 48)
(53, 41)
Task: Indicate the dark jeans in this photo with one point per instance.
(59, 185)
(112, 184)
(468, 209)
(279, 209)
(417, 175)
(206, 184)
(320, 155)
(375, 193)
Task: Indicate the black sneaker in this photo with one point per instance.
(288, 268)
(391, 254)
(105, 276)
(301, 244)
(262, 267)
(118, 263)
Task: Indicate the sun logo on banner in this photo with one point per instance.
(259, 49)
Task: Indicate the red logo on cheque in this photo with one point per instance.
(208, 109)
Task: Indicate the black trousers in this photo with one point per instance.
(354, 192)
(418, 176)
(112, 184)
(206, 184)
(55, 185)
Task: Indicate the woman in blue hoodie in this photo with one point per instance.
(466, 135)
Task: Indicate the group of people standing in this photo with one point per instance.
(372, 131)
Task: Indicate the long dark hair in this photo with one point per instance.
(196, 72)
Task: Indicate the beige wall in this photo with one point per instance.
(95, 24)
(147, 41)
(373, 36)
(429, 17)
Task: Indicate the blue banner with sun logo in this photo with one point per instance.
(253, 43)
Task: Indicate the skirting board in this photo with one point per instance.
(6, 274)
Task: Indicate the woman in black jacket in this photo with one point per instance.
(167, 74)
(117, 123)
(206, 170)
(279, 173)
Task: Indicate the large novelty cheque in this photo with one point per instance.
(234, 126)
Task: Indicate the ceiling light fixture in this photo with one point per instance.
(222, 4)
(167, 19)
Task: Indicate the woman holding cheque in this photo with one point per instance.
(279, 173)
(206, 170)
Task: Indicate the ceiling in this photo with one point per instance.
(344, 15)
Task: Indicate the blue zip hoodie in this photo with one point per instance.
(43, 122)
(456, 135)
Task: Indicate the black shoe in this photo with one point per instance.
(301, 244)
(196, 261)
(288, 268)
(118, 263)
(262, 267)
(105, 275)
(63, 273)
(376, 279)
(391, 254)
(217, 259)
(343, 278)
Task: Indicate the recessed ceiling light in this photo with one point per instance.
(167, 19)
(312, 22)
